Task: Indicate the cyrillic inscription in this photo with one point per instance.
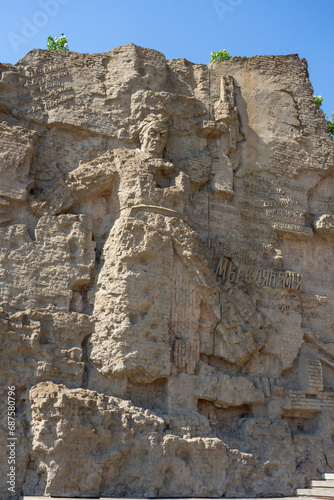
(258, 276)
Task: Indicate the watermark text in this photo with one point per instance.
(222, 7)
(30, 26)
(11, 440)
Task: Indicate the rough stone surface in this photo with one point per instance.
(166, 283)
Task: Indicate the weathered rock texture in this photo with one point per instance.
(166, 318)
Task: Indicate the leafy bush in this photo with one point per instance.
(330, 121)
(221, 55)
(318, 100)
(60, 43)
(330, 124)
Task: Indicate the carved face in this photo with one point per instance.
(153, 140)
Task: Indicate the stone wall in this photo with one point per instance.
(166, 255)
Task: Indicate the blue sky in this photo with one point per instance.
(180, 28)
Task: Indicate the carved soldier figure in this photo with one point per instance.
(156, 300)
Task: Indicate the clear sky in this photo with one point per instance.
(180, 28)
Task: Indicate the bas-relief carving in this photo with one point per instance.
(168, 281)
(136, 324)
(223, 133)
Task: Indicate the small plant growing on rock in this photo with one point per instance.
(318, 100)
(221, 55)
(60, 43)
(330, 121)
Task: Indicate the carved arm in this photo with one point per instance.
(87, 180)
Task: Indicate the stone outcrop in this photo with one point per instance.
(166, 256)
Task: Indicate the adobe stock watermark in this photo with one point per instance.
(30, 27)
(11, 440)
(224, 6)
